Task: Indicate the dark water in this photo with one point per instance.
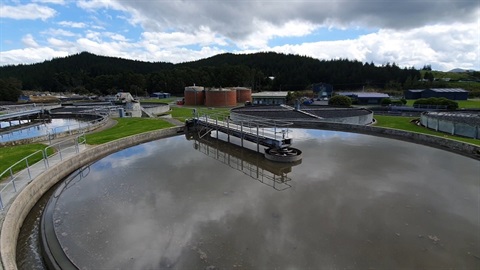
(354, 201)
(56, 125)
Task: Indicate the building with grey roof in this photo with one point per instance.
(365, 98)
(270, 98)
(450, 93)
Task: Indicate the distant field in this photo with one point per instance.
(185, 112)
(462, 104)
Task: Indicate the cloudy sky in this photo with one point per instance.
(442, 33)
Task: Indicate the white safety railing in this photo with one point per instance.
(12, 182)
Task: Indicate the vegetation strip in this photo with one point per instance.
(126, 127)
(12, 154)
(405, 123)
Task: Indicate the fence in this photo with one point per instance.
(14, 182)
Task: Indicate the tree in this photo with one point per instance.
(340, 100)
(10, 89)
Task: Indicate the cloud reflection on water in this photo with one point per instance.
(356, 201)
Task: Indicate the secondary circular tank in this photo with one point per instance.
(194, 95)
(220, 97)
(243, 94)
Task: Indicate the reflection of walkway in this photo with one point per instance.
(247, 161)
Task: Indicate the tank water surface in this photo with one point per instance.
(354, 201)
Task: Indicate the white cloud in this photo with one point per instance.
(26, 12)
(442, 46)
(73, 24)
(30, 55)
(29, 41)
(58, 2)
(265, 31)
(58, 32)
(155, 41)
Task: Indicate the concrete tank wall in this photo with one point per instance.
(450, 126)
(194, 95)
(243, 94)
(221, 98)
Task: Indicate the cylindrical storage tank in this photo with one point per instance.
(243, 94)
(221, 98)
(194, 95)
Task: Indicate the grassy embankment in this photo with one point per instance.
(404, 123)
(126, 127)
(11, 154)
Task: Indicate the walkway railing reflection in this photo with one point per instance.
(249, 162)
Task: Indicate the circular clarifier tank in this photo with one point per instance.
(354, 201)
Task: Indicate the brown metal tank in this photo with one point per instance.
(243, 94)
(222, 97)
(194, 95)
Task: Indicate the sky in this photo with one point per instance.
(444, 34)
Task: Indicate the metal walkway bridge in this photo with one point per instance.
(20, 112)
(270, 133)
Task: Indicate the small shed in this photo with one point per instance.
(322, 90)
(160, 95)
(269, 98)
(365, 98)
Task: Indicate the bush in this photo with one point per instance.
(450, 104)
(340, 100)
(385, 101)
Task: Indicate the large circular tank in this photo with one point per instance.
(220, 97)
(194, 95)
(243, 94)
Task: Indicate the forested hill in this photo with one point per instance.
(86, 72)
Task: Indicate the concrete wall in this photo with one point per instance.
(450, 127)
(466, 149)
(156, 110)
(29, 196)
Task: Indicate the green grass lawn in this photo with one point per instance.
(127, 127)
(11, 154)
(404, 123)
(462, 104)
(183, 113)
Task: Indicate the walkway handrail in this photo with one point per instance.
(11, 186)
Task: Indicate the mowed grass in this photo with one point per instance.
(11, 154)
(127, 127)
(183, 113)
(404, 123)
(462, 104)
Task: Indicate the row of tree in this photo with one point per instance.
(88, 73)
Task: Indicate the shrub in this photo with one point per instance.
(385, 101)
(450, 104)
(340, 100)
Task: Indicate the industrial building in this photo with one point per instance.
(365, 98)
(270, 98)
(216, 97)
(450, 93)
